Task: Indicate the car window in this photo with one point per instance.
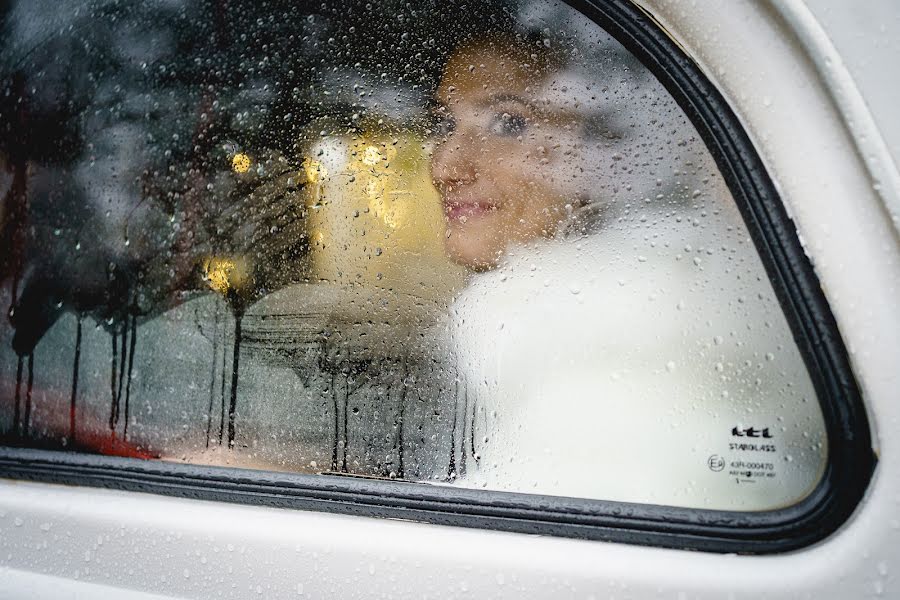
(468, 245)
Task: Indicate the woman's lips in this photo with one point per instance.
(463, 211)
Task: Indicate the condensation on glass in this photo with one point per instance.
(469, 244)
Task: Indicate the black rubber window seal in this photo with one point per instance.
(851, 458)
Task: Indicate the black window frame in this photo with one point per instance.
(851, 460)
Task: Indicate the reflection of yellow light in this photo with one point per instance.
(314, 170)
(371, 156)
(380, 197)
(240, 163)
(223, 274)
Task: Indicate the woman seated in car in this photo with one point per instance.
(613, 330)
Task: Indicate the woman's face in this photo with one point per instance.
(499, 167)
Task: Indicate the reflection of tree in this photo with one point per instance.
(120, 377)
(401, 411)
(346, 377)
(212, 383)
(75, 374)
(237, 309)
(21, 425)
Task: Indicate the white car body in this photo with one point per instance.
(815, 85)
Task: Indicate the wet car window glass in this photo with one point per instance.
(462, 244)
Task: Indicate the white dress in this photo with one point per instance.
(638, 365)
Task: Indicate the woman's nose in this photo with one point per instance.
(452, 163)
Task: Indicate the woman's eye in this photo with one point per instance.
(507, 124)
